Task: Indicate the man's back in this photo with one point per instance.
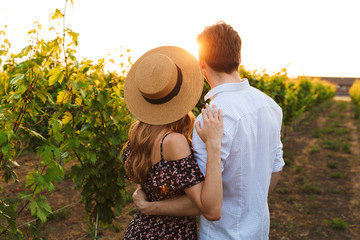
(251, 152)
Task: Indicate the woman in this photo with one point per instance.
(160, 90)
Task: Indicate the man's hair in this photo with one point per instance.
(220, 47)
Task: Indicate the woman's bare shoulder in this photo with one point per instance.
(175, 147)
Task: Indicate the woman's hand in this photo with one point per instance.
(208, 194)
(212, 130)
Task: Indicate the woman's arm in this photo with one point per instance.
(177, 206)
(205, 197)
(208, 194)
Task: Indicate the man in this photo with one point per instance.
(251, 149)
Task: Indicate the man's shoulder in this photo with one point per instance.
(262, 96)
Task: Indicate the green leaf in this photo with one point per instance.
(92, 157)
(24, 195)
(74, 36)
(74, 143)
(14, 80)
(22, 88)
(58, 170)
(63, 97)
(57, 14)
(26, 50)
(33, 133)
(56, 128)
(85, 127)
(61, 78)
(3, 138)
(55, 75)
(5, 149)
(12, 163)
(50, 99)
(14, 96)
(43, 181)
(52, 175)
(47, 154)
(40, 208)
(7, 211)
(42, 97)
(66, 118)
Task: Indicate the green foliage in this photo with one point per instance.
(306, 187)
(316, 133)
(40, 208)
(59, 214)
(64, 110)
(345, 147)
(332, 145)
(337, 175)
(331, 165)
(315, 149)
(299, 169)
(337, 223)
(354, 92)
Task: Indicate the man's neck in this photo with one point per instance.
(218, 78)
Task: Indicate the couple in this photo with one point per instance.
(235, 144)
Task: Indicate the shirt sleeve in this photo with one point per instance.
(279, 162)
(187, 172)
(200, 147)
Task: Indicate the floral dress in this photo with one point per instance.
(166, 179)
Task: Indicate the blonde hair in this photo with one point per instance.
(142, 138)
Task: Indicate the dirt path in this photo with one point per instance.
(318, 195)
(354, 173)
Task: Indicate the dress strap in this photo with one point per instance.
(161, 145)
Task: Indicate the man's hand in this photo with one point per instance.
(140, 201)
(177, 206)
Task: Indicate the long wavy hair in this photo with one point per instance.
(141, 140)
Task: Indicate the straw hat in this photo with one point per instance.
(163, 85)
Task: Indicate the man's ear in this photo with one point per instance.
(202, 63)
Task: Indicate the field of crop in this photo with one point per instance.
(316, 198)
(63, 123)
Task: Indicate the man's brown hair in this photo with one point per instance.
(220, 47)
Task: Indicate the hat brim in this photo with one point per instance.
(177, 107)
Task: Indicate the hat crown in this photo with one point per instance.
(156, 76)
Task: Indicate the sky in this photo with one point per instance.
(308, 37)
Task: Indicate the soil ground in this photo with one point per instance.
(318, 196)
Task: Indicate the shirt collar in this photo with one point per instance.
(227, 87)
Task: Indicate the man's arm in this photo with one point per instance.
(279, 160)
(178, 206)
(274, 180)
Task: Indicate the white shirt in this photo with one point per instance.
(251, 150)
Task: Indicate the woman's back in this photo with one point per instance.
(166, 179)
